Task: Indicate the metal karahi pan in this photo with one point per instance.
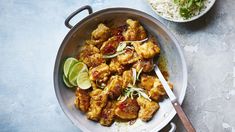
(76, 38)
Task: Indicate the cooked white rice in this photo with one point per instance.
(168, 9)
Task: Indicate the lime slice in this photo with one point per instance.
(66, 82)
(68, 64)
(83, 81)
(75, 70)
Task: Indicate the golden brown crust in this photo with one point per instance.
(129, 57)
(82, 100)
(116, 67)
(145, 64)
(127, 78)
(147, 81)
(127, 110)
(135, 31)
(114, 87)
(107, 115)
(90, 55)
(147, 108)
(97, 102)
(99, 35)
(109, 46)
(100, 73)
(151, 48)
(157, 92)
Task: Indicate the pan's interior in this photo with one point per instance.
(169, 49)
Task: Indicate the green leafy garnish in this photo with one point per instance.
(188, 8)
(121, 46)
(184, 12)
(132, 91)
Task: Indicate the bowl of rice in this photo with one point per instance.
(181, 10)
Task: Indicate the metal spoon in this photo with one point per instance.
(187, 124)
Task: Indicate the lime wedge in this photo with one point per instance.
(68, 64)
(66, 82)
(83, 81)
(75, 70)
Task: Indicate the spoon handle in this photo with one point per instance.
(187, 124)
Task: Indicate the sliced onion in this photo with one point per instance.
(121, 46)
(113, 55)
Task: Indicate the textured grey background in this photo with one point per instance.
(31, 32)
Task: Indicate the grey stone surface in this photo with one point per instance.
(31, 32)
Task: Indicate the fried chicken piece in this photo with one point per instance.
(127, 78)
(146, 50)
(97, 102)
(116, 67)
(114, 87)
(147, 108)
(147, 82)
(110, 46)
(99, 35)
(88, 50)
(158, 91)
(97, 43)
(100, 73)
(90, 56)
(129, 57)
(146, 64)
(93, 85)
(135, 31)
(128, 109)
(82, 100)
(102, 32)
(107, 115)
(94, 60)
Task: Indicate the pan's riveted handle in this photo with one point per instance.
(86, 7)
(173, 127)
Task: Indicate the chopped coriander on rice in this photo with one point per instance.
(178, 9)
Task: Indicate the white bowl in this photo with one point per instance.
(204, 11)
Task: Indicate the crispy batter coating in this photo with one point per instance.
(90, 56)
(93, 85)
(96, 43)
(127, 110)
(107, 115)
(135, 31)
(100, 73)
(146, 50)
(147, 108)
(128, 57)
(110, 46)
(157, 92)
(82, 100)
(146, 64)
(147, 82)
(88, 50)
(114, 87)
(97, 102)
(127, 78)
(116, 67)
(100, 34)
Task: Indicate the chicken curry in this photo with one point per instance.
(120, 69)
